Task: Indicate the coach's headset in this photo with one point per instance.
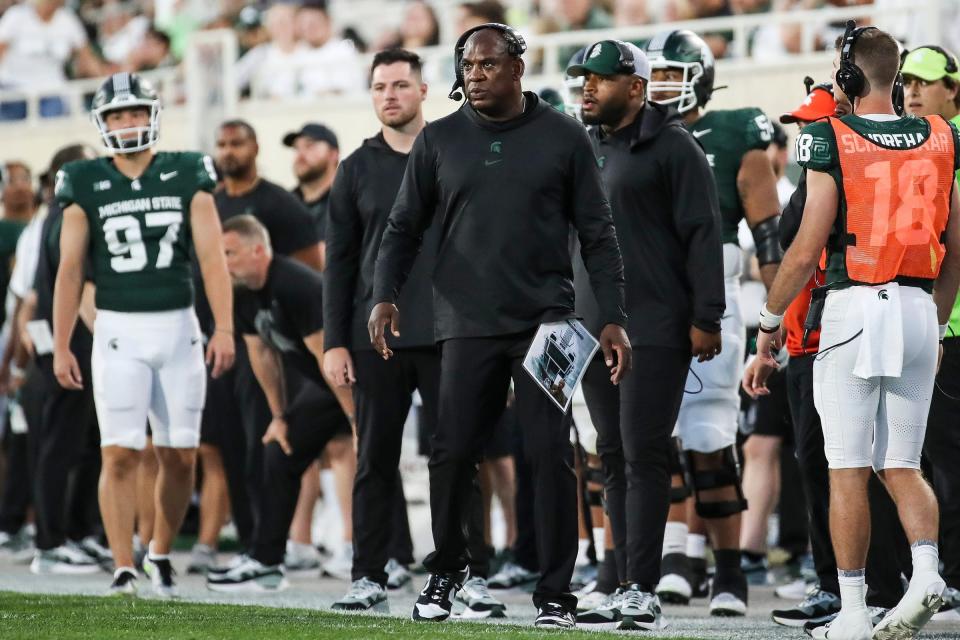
(516, 46)
(850, 77)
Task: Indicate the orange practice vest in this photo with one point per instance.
(898, 201)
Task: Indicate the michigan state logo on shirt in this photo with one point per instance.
(495, 152)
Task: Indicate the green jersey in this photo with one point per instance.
(140, 237)
(10, 231)
(727, 136)
(816, 150)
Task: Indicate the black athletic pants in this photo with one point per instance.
(888, 544)
(634, 423)
(383, 396)
(942, 450)
(313, 418)
(21, 451)
(474, 378)
(67, 464)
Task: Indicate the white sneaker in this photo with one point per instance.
(202, 558)
(794, 590)
(124, 583)
(398, 575)
(847, 625)
(478, 602)
(92, 547)
(301, 557)
(363, 595)
(674, 588)
(641, 610)
(923, 598)
(63, 560)
(950, 609)
(340, 566)
(591, 600)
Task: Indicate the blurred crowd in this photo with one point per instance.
(308, 49)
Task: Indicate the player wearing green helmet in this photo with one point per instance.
(683, 75)
(137, 216)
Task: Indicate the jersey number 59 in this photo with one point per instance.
(129, 251)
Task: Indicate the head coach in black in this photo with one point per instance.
(667, 218)
(504, 177)
(362, 196)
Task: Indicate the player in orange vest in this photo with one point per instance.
(882, 200)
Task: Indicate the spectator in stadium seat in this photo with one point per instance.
(271, 70)
(37, 39)
(151, 53)
(574, 15)
(120, 28)
(630, 12)
(331, 65)
(474, 14)
(419, 28)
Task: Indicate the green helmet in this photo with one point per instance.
(573, 86)
(684, 50)
(123, 91)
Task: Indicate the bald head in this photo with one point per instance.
(491, 76)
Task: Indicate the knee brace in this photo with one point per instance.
(728, 475)
(594, 479)
(677, 466)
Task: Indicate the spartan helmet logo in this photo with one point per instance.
(882, 294)
(495, 146)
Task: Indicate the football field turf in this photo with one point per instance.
(29, 617)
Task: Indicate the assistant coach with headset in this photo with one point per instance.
(506, 176)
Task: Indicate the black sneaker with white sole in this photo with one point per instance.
(877, 614)
(729, 598)
(818, 606)
(436, 598)
(553, 615)
(675, 586)
(364, 594)
(250, 576)
(699, 578)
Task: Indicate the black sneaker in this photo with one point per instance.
(818, 606)
(699, 578)
(553, 615)
(675, 586)
(436, 599)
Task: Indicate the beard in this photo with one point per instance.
(398, 120)
(311, 173)
(611, 113)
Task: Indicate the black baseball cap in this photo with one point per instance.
(314, 131)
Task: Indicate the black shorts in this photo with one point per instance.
(771, 416)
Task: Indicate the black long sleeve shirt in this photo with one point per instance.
(505, 195)
(668, 224)
(360, 201)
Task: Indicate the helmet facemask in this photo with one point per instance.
(573, 96)
(121, 140)
(686, 98)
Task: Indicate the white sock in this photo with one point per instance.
(853, 590)
(599, 542)
(153, 555)
(583, 545)
(696, 545)
(926, 558)
(675, 538)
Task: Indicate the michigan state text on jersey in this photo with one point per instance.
(137, 215)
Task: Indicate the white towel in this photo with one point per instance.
(881, 344)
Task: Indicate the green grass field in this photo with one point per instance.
(33, 617)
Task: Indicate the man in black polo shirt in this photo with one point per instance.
(279, 312)
(235, 398)
(667, 217)
(317, 155)
(504, 177)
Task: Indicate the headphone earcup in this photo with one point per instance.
(850, 80)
